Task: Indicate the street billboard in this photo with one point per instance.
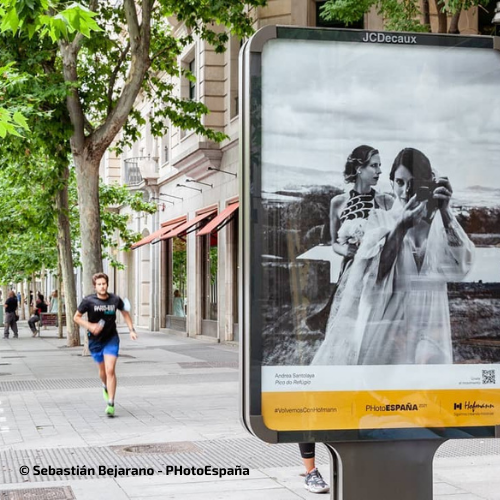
(370, 215)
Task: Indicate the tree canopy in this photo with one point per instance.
(107, 54)
(407, 15)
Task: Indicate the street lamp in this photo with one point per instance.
(200, 182)
(188, 187)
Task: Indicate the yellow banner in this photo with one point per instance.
(294, 411)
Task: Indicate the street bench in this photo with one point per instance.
(49, 319)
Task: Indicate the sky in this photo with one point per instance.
(322, 99)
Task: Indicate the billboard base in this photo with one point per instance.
(392, 470)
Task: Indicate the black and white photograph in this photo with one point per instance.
(381, 204)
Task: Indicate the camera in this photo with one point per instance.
(423, 188)
(424, 191)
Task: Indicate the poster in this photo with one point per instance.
(379, 236)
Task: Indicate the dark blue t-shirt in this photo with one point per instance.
(98, 309)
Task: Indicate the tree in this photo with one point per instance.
(402, 15)
(12, 121)
(134, 50)
(30, 228)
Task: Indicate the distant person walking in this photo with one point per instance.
(40, 307)
(178, 305)
(54, 302)
(10, 315)
(104, 341)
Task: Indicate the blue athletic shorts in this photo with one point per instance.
(110, 348)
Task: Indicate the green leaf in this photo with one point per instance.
(20, 120)
(10, 21)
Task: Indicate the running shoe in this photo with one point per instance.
(105, 394)
(110, 411)
(315, 483)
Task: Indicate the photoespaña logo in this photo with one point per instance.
(390, 408)
(472, 406)
(385, 38)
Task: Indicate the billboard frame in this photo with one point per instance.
(250, 242)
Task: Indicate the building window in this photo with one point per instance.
(234, 50)
(192, 84)
(188, 87)
(209, 265)
(322, 23)
(177, 282)
(165, 153)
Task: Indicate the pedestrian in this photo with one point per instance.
(313, 482)
(54, 302)
(10, 315)
(178, 304)
(104, 341)
(40, 307)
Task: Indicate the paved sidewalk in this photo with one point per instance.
(177, 405)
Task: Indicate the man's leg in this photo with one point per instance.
(98, 357)
(110, 366)
(6, 326)
(102, 372)
(14, 327)
(32, 324)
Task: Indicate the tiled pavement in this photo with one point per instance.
(180, 396)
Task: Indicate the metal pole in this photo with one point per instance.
(388, 470)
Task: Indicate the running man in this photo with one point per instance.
(104, 341)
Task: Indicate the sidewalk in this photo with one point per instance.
(177, 404)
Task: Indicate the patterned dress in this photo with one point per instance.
(359, 206)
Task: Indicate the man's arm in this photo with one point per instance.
(128, 320)
(93, 328)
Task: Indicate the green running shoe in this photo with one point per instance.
(105, 394)
(110, 411)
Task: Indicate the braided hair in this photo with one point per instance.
(360, 157)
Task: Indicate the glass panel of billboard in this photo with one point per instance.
(374, 193)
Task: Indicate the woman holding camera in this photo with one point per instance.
(394, 308)
(419, 247)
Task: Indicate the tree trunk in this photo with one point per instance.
(59, 299)
(442, 17)
(87, 178)
(427, 14)
(22, 309)
(66, 263)
(26, 299)
(454, 23)
(33, 293)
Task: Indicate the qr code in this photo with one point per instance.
(488, 376)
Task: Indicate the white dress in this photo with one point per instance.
(404, 317)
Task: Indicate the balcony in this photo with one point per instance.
(133, 176)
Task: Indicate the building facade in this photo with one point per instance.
(183, 274)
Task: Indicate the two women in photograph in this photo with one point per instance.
(392, 306)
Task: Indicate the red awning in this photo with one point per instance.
(160, 232)
(184, 227)
(214, 224)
